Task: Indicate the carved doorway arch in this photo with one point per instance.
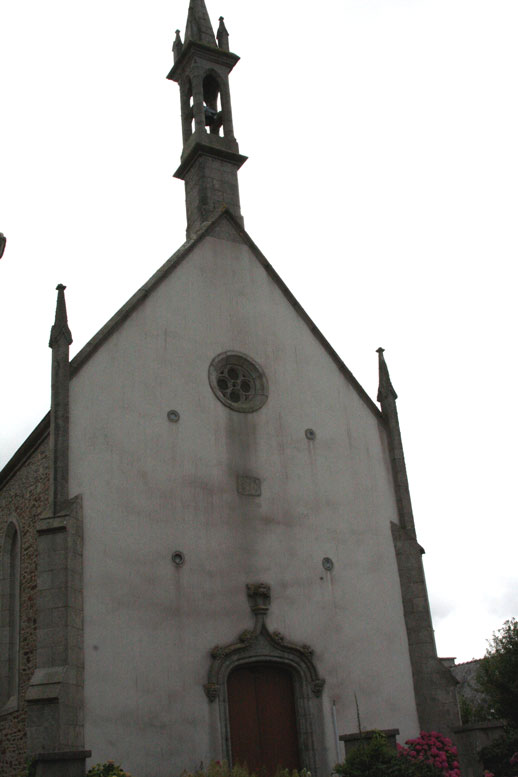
(260, 646)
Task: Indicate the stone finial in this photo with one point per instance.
(3, 241)
(198, 26)
(385, 388)
(222, 35)
(259, 597)
(60, 330)
(177, 45)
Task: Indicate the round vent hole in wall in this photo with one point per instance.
(178, 558)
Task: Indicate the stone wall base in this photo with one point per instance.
(352, 741)
(71, 764)
(470, 739)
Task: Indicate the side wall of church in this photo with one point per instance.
(151, 487)
(23, 498)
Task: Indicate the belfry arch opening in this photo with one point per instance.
(187, 109)
(212, 105)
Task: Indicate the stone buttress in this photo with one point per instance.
(55, 713)
(434, 685)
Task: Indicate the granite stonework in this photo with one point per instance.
(434, 684)
(210, 184)
(224, 230)
(25, 497)
(210, 157)
(55, 708)
(471, 739)
(353, 741)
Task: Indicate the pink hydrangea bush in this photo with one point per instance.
(435, 749)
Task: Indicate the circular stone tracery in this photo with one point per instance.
(238, 381)
(235, 383)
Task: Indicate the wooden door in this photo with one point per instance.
(263, 726)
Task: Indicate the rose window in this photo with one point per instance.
(238, 381)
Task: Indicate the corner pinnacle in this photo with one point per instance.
(385, 388)
(60, 329)
(177, 45)
(222, 35)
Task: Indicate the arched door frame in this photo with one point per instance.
(260, 646)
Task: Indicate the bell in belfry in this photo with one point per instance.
(213, 118)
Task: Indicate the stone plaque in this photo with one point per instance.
(248, 486)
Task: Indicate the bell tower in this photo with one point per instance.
(210, 157)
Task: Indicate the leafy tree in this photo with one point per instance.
(497, 679)
(497, 676)
(500, 758)
(475, 710)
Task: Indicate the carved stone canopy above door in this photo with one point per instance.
(259, 644)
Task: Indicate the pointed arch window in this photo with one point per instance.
(9, 617)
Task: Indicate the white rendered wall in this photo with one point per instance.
(151, 487)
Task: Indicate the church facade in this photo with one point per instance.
(207, 547)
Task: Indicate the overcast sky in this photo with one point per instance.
(382, 184)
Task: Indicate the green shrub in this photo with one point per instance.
(435, 749)
(108, 769)
(222, 769)
(475, 710)
(215, 769)
(376, 758)
(497, 757)
(497, 677)
(218, 769)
